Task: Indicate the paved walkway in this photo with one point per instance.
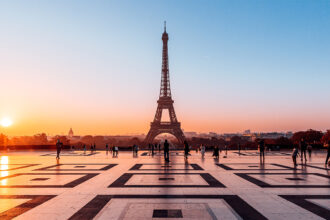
(33, 185)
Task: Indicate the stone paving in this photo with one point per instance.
(34, 185)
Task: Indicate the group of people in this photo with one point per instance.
(303, 146)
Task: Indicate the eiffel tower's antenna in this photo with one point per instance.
(164, 26)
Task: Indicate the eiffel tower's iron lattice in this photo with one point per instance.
(165, 101)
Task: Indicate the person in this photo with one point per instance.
(216, 152)
(58, 148)
(186, 149)
(202, 150)
(295, 153)
(226, 149)
(166, 151)
(152, 149)
(262, 149)
(116, 149)
(309, 149)
(135, 150)
(239, 149)
(113, 151)
(94, 147)
(84, 148)
(158, 147)
(107, 148)
(149, 149)
(328, 156)
(302, 146)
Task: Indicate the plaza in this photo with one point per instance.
(34, 185)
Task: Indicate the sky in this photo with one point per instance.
(95, 66)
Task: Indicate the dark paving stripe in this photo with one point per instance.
(91, 209)
(248, 177)
(301, 201)
(20, 209)
(121, 181)
(243, 209)
(72, 184)
(58, 167)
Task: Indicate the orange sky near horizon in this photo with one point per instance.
(96, 66)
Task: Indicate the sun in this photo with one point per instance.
(6, 122)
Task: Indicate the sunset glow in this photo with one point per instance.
(6, 122)
(96, 67)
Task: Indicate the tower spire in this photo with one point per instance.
(164, 26)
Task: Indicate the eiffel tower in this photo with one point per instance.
(165, 101)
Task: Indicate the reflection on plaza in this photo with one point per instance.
(4, 169)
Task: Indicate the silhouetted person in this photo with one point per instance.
(216, 152)
(135, 150)
(202, 150)
(166, 151)
(328, 155)
(152, 149)
(309, 149)
(58, 148)
(186, 149)
(239, 149)
(84, 148)
(113, 151)
(303, 148)
(94, 147)
(294, 155)
(226, 149)
(158, 147)
(262, 149)
(107, 148)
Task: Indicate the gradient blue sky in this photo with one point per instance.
(95, 65)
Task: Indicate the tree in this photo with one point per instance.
(63, 139)
(310, 136)
(88, 139)
(3, 140)
(40, 139)
(326, 137)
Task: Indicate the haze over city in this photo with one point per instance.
(259, 65)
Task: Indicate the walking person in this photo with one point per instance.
(202, 150)
(186, 150)
(216, 152)
(328, 155)
(226, 149)
(303, 148)
(84, 148)
(295, 153)
(58, 148)
(239, 149)
(166, 151)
